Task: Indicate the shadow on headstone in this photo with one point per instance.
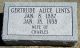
(1, 24)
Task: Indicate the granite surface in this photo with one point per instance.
(78, 12)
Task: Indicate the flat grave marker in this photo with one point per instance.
(54, 22)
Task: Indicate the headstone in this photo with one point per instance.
(40, 23)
